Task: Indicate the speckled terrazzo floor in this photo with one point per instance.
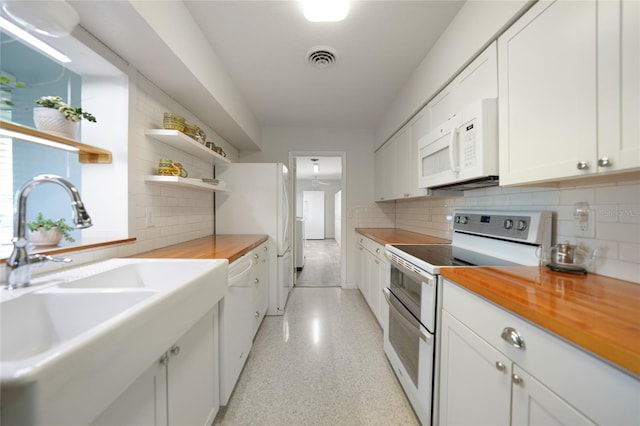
(322, 363)
(322, 264)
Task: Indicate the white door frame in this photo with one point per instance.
(343, 204)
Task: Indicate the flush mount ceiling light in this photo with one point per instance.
(325, 10)
(53, 18)
(33, 41)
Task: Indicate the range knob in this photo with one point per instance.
(508, 224)
(521, 225)
(464, 220)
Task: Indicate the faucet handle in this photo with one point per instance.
(38, 260)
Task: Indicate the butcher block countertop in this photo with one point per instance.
(598, 313)
(399, 236)
(229, 247)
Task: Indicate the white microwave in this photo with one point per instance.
(463, 150)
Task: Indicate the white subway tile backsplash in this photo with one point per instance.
(614, 205)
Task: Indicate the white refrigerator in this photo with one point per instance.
(258, 202)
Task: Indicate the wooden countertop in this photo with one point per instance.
(399, 236)
(598, 313)
(229, 247)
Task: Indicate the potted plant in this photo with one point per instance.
(7, 84)
(54, 116)
(47, 232)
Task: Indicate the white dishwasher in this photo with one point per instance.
(236, 324)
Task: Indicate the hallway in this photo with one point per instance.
(322, 363)
(322, 264)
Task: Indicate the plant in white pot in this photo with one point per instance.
(48, 232)
(54, 116)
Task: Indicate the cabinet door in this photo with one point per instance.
(260, 278)
(143, 403)
(475, 385)
(385, 172)
(619, 91)
(402, 140)
(479, 80)
(193, 375)
(548, 90)
(365, 273)
(375, 291)
(441, 108)
(535, 404)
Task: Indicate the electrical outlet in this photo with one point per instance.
(586, 228)
(148, 217)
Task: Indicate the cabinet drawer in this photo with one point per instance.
(376, 249)
(601, 391)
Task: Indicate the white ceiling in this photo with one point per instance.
(264, 44)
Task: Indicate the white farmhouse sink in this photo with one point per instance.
(36, 322)
(75, 340)
(151, 275)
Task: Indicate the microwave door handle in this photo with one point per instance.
(453, 157)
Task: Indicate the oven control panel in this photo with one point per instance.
(491, 224)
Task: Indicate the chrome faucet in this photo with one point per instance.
(20, 262)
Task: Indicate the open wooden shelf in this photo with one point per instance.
(86, 153)
(185, 183)
(184, 143)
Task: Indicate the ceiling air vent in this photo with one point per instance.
(321, 57)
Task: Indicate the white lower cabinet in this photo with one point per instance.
(241, 313)
(181, 388)
(374, 275)
(486, 380)
(260, 280)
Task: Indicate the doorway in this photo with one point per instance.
(318, 200)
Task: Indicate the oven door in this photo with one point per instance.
(410, 349)
(416, 289)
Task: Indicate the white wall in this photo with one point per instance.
(358, 171)
(329, 201)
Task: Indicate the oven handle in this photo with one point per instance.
(408, 320)
(421, 276)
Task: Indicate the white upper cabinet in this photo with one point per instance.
(560, 104)
(385, 172)
(478, 80)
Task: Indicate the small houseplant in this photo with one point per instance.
(49, 232)
(57, 117)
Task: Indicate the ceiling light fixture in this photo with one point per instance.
(325, 10)
(33, 41)
(53, 18)
(316, 166)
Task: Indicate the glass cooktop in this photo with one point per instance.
(448, 255)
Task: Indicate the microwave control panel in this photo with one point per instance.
(468, 142)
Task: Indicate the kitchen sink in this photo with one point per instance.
(36, 322)
(75, 340)
(156, 275)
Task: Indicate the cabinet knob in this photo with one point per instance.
(604, 162)
(175, 350)
(500, 366)
(517, 380)
(256, 256)
(406, 194)
(511, 336)
(377, 250)
(256, 281)
(582, 165)
(257, 314)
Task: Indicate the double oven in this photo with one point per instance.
(480, 238)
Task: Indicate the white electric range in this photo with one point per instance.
(480, 238)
